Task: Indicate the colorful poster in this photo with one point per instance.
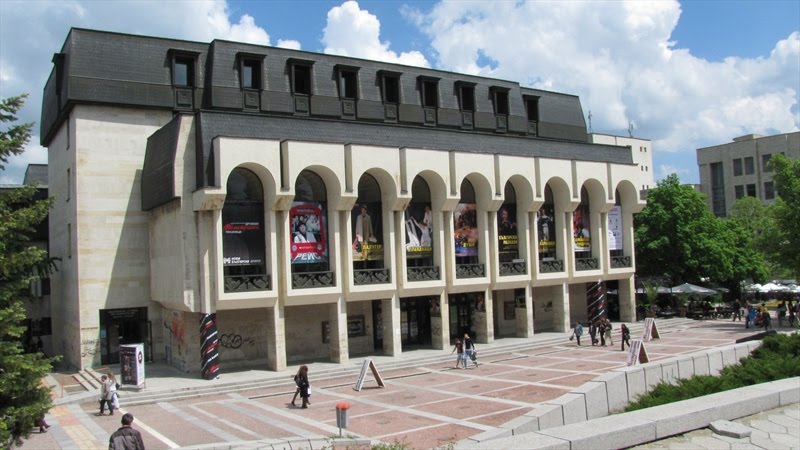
(508, 241)
(465, 218)
(546, 223)
(308, 243)
(580, 229)
(419, 230)
(131, 358)
(367, 232)
(242, 235)
(615, 228)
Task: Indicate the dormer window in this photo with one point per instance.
(532, 111)
(466, 102)
(251, 79)
(500, 101)
(348, 89)
(301, 84)
(429, 94)
(184, 77)
(390, 92)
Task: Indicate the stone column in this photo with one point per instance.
(390, 318)
(440, 325)
(338, 320)
(484, 325)
(524, 314)
(276, 338)
(627, 300)
(561, 307)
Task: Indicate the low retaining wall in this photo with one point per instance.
(612, 392)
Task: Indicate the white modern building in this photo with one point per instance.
(230, 204)
(641, 153)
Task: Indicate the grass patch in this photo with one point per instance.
(777, 358)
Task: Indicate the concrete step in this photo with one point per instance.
(132, 398)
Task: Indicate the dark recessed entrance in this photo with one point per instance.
(462, 308)
(124, 326)
(415, 322)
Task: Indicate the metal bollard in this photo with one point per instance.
(341, 416)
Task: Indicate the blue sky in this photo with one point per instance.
(687, 75)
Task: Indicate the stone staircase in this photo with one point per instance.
(280, 379)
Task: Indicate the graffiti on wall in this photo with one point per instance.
(234, 341)
(90, 347)
(176, 347)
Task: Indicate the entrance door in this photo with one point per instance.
(120, 327)
(415, 321)
(461, 308)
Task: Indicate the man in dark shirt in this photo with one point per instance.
(126, 438)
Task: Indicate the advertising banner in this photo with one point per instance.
(419, 230)
(131, 360)
(545, 221)
(367, 232)
(615, 228)
(242, 235)
(308, 224)
(465, 218)
(508, 241)
(580, 229)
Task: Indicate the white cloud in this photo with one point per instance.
(351, 31)
(288, 43)
(618, 57)
(666, 170)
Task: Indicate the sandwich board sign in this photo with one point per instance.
(131, 361)
(650, 330)
(637, 354)
(363, 374)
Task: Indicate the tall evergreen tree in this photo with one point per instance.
(23, 397)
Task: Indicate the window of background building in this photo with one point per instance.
(430, 93)
(737, 167)
(466, 97)
(769, 190)
(532, 108)
(765, 163)
(749, 166)
(751, 190)
(348, 84)
(738, 191)
(500, 102)
(717, 189)
(301, 79)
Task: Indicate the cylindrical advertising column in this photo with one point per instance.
(209, 343)
(596, 301)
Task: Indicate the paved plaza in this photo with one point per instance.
(426, 403)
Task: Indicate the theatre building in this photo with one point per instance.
(229, 205)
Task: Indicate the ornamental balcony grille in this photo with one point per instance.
(513, 268)
(552, 266)
(306, 280)
(423, 273)
(371, 276)
(586, 264)
(470, 271)
(247, 283)
(620, 262)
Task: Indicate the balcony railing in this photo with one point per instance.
(513, 268)
(586, 264)
(247, 283)
(371, 276)
(313, 280)
(620, 262)
(423, 273)
(470, 271)
(551, 266)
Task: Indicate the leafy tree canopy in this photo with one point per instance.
(677, 236)
(786, 211)
(23, 398)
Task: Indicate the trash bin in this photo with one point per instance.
(341, 416)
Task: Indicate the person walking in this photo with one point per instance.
(297, 385)
(126, 438)
(737, 310)
(304, 385)
(626, 336)
(781, 313)
(108, 395)
(469, 349)
(607, 327)
(577, 332)
(593, 333)
(766, 319)
(458, 349)
(601, 332)
(42, 424)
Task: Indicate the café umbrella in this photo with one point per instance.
(688, 288)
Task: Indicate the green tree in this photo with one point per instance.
(677, 236)
(786, 212)
(751, 214)
(23, 398)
